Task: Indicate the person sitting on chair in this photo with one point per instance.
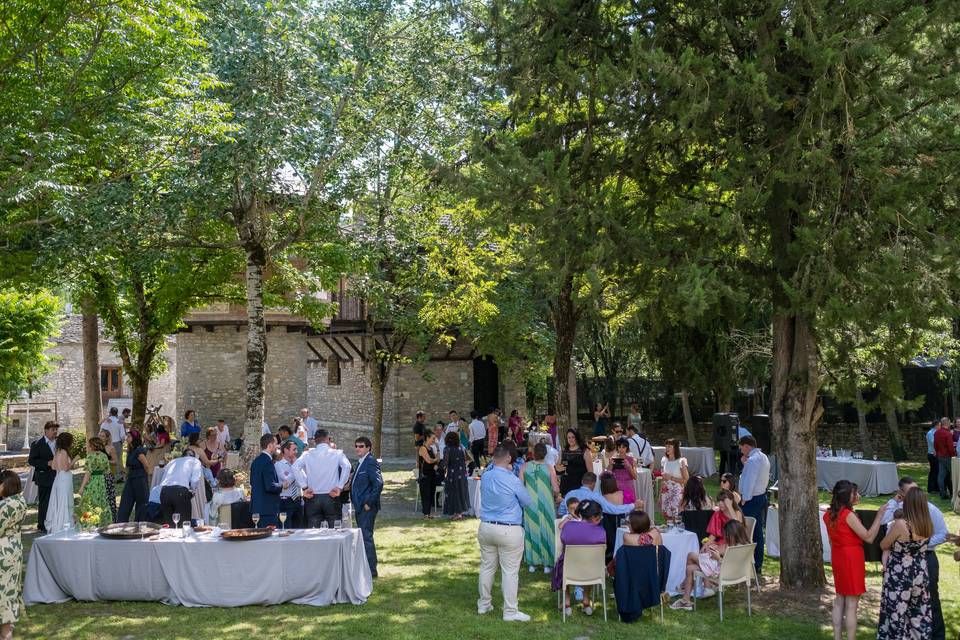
(708, 560)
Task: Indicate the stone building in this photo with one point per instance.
(322, 370)
(61, 398)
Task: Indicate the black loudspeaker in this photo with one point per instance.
(725, 430)
(760, 428)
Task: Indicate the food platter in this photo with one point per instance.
(128, 530)
(246, 534)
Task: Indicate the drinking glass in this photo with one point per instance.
(176, 520)
(323, 525)
(283, 519)
(256, 520)
(874, 457)
(337, 524)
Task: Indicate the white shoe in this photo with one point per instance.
(568, 611)
(547, 569)
(708, 592)
(519, 616)
(532, 568)
(483, 610)
(588, 611)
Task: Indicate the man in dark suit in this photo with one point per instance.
(41, 455)
(265, 486)
(365, 491)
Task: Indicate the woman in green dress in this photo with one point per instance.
(12, 510)
(541, 482)
(93, 488)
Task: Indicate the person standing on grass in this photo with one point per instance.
(946, 450)
(500, 535)
(265, 486)
(753, 491)
(905, 604)
(478, 435)
(365, 490)
(933, 481)
(322, 473)
(939, 536)
(847, 535)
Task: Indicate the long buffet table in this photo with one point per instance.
(313, 566)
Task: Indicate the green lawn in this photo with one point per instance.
(427, 589)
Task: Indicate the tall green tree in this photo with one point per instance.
(27, 322)
(832, 127)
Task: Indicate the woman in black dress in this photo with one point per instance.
(456, 496)
(576, 459)
(427, 478)
(135, 490)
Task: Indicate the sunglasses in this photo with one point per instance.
(359, 446)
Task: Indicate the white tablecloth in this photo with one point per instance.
(473, 490)
(772, 533)
(700, 460)
(312, 567)
(873, 477)
(680, 544)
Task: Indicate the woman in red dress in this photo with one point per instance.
(847, 535)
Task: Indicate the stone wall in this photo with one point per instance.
(211, 375)
(846, 436)
(64, 387)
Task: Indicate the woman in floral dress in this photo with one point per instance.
(93, 488)
(675, 476)
(12, 510)
(905, 612)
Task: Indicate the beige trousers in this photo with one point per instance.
(500, 545)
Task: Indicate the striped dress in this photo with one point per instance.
(538, 518)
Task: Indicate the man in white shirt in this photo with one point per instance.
(640, 447)
(182, 478)
(291, 500)
(322, 472)
(118, 436)
(477, 433)
(753, 491)
(223, 433)
(454, 424)
(310, 423)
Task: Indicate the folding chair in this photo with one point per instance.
(584, 566)
(736, 567)
(750, 523)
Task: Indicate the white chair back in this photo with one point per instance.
(749, 522)
(223, 517)
(737, 565)
(557, 545)
(583, 564)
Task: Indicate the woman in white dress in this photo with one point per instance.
(60, 511)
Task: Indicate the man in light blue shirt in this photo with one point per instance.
(500, 535)
(753, 491)
(588, 491)
(940, 533)
(933, 482)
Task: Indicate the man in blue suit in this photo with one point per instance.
(365, 494)
(265, 486)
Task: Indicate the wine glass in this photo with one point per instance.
(256, 520)
(323, 525)
(176, 520)
(337, 524)
(283, 519)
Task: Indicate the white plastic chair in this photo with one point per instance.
(750, 523)
(583, 566)
(224, 517)
(736, 567)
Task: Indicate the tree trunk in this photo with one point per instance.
(378, 393)
(564, 319)
(92, 402)
(139, 387)
(793, 417)
(256, 352)
(862, 424)
(688, 418)
(893, 428)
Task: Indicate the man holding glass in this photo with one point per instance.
(365, 492)
(291, 503)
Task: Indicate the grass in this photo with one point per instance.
(428, 589)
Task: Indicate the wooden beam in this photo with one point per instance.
(319, 358)
(356, 349)
(342, 348)
(333, 350)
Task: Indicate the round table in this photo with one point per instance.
(681, 544)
